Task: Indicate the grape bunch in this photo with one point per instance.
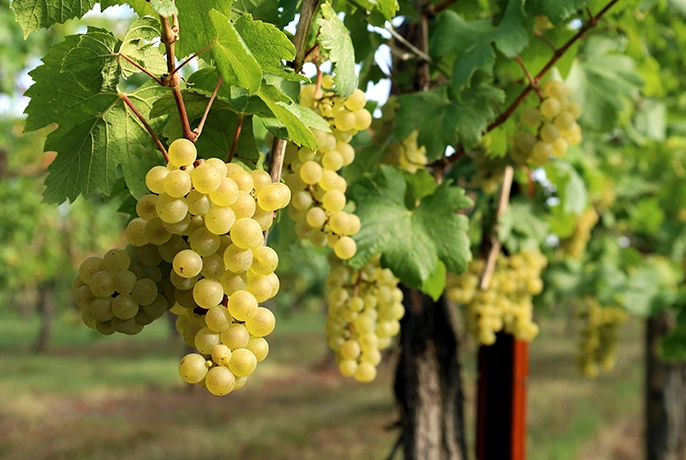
(123, 291)
(506, 304)
(202, 229)
(407, 154)
(598, 337)
(318, 190)
(576, 244)
(365, 308)
(554, 123)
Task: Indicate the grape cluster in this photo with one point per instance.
(506, 304)
(407, 154)
(576, 244)
(598, 337)
(318, 189)
(554, 122)
(202, 228)
(365, 308)
(123, 291)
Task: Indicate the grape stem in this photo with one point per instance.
(533, 83)
(502, 118)
(191, 57)
(145, 123)
(198, 130)
(546, 40)
(496, 245)
(142, 69)
(419, 53)
(236, 135)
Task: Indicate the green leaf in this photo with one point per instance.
(165, 8)
(411, 241)
(520, 227)
(76, 88)
(141, 7)
(420, 184)
(570, 187)
(35, 14)
(263, 10)
(298, 131)
(445, 121)
(647, 216)
(556, 10)
(138, 45)
(234, 60)
(196, 25)
(478, 57)
(268, 45)
(335, 38)
(435, 284)
(454, 34)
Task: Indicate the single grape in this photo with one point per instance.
(274, 196)
(192, 368)
(365, 372)
(219, 165)
(238, 260)
(356, 100)
(177, 183)
(261, 179)
(333, 161)
(171, 210)
(208, 293)
(550, 107)
(213, 266)
(345, 248)
(549, 133)
(259, 347)
(154, 179)
(218, 318)
(124, 307)
(144, 291)
(102, 309)
(102, 284)
(242, 362)
(261, 323)
(333, 200)
(206, 178)
(124, 281)
(226, 194)
(156, 233)
(232, 282)
(363, 119)
(235, 336)
(316, 217)
(187, 263)
(204, 242)
(135, 233)
(145, 207)
(221, 354)
(182, 152)
(205, 340)
(244, 206)
(310, 172)
(264, 260)
(246, 233)
(530, 116)
(345, 120)
(242, 305)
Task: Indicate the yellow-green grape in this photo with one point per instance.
(242, 362)
(333, 201)
(365, 372)
(542, 23)
(182, 152)
(205, 340)
(259, 347)
(363, 120)
(124, 281)
(218, 319)
(273, 196)
(220, 381)
(193, 368)
(155, 232)
(170, 209)
(328, 180)
(310, 172)
(144, 291)
(238, 260)
(244, 206)
(226, 194)
(206, 178)
(102, 284)
(242, 305)
(302, 200)
(246, 233)
(347, 367)
(264, 218)
(217, 164)
(179, 228)
(221, 354)
(315, 217)
(124, 307)
(101, 308)
(531, 116)
(261, 179)
(559, 147)
(261, 323)
(213, 266)
(235, 336)
(208, 293)
(135, 233)
(265, 260)
(145, 208)
(356, 100)
(541, 152)
(154, 179)
(347, 153)
(345, 120)
(232, 282)
(187, 263)
(564, 120)
(242, 177)
(555, 89)
(549, 133)
(575, 109)
(345, 248)
(220, 219)
(333, 161)
(177, 183)
(550, 107)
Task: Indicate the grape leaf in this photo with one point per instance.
(570, 187)
(478, 57)
(444, 120)
(520, 227)
(335, 38)
(164, 8)
(262, 10)
(196, 25)
(411, 241)
(235, 62)
(556, 10)
(141, 7)
(138, 45)
(35, 14)
(435, 284)
(76, 87)
(298, 131)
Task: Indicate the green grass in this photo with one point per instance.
(95, 397)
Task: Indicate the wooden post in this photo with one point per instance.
(501, 412)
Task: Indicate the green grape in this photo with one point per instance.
(171, 210)
(339, 223)
(347, 367)
(564, 120)
(555, 89)
(182, 152)
(356, 100)
(264, 261)
(327, 82)
(206, 178)
(530, 116)
(76, 283)
(177, 184)
(260, 286)
(232, 282)
(344, 120)
(575, 109)
(333, 201)
(90, 267)
(244, 206)
(328, 181)
(264, 218)
(541, 152)
(102, 284)
(189, 333)
(105, 327)
(179, 228)
(172, 247)
(240, 383)
(226, 194)
(198, 203)
(124, 281)
(157, 307)
(135, 232)
(141, 319)
(559, 147)
(550, 107)
(148, 256)
(238, 260)
(274, 196)
(193, 368)
(102, 309)
(261, 179)
(144, 292)
(145, 207)
(305, 154)
(124, 307)
(368, 341)
(242, 362)
(219, 165)
(242, 178)
(365, 372)
(333, 161)
(259, 347)
(213, 266)
(187, 263)
(549, 133)
(319, 238)
(205, 340)
(316, 217)
(350, 349)
(242, 305)
(156, 233)
(261, 323)
(218, 318)
(371, 356)
(208, 293)
(154, 179)
(246, 233)
(310, 172)
(235, 336)
(302, 200)
(354, 224)
(346, 151)
(204, 242)
(345, 248)
(363, 119)
(184, 297)
(221, 354)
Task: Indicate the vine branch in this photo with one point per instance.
(236, 135)
(142, 69)
(496, 245)
(191, 57)
(533, 83)
(142, 119)
(198, 130)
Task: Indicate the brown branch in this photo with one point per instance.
(198, 130)
(236, 135)
(172, 79)
(311, 52)
(533, 83)
(142, 69)
(556, 56)
(434, 9)
(496, 245)
(302, 32)
(546, 40)
(142, 119)
(191, 57)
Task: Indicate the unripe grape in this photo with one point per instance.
(182, 152)
(124, 282)
(327, 82)
(555, 89)
(101, 308)
(105, 327)
(144, 291)
(213, 266)
(541, 152)
(192, 368)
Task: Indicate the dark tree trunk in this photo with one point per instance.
(46, 310)
(428, 384)
(665, 405)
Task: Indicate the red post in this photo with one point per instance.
(501, 412)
